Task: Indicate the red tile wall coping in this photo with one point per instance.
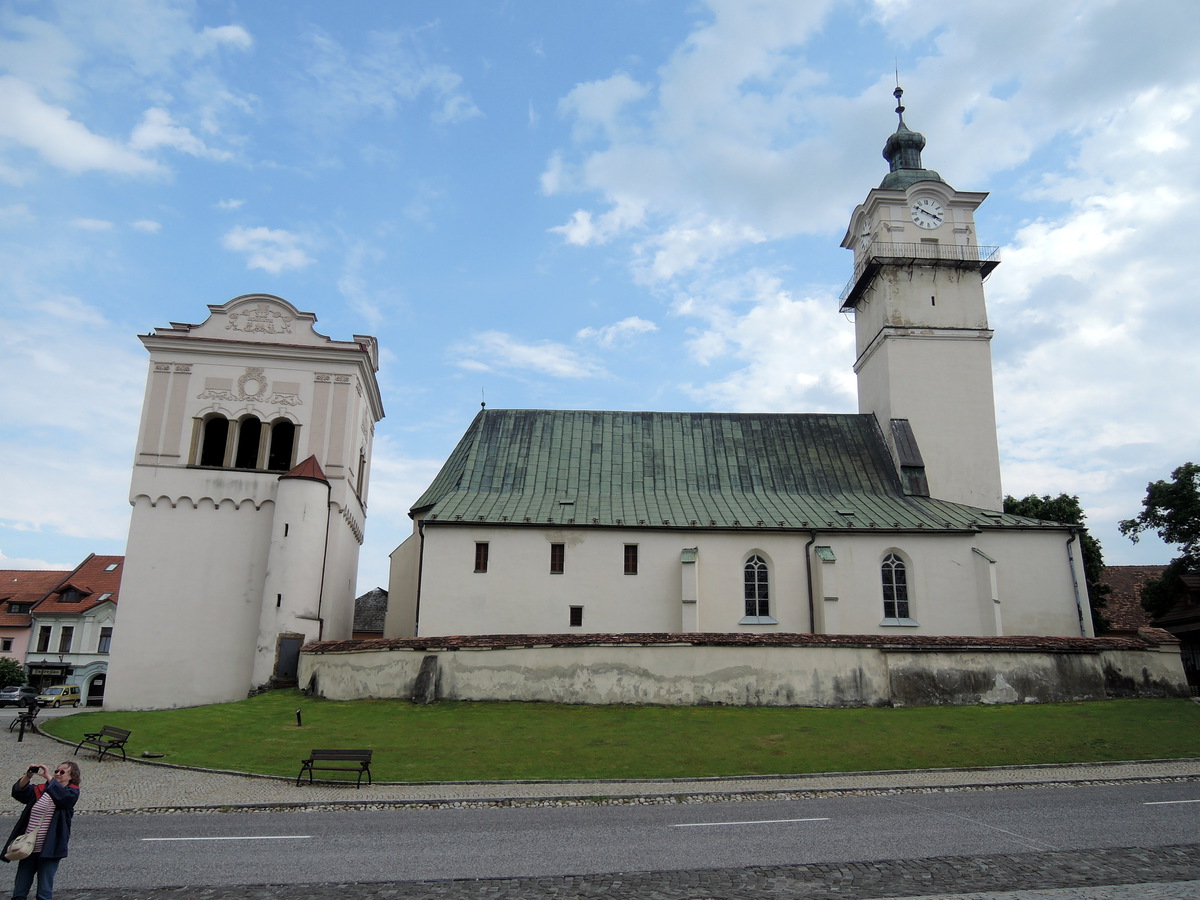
(1147, 638)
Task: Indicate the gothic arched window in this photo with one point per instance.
(895, 588)
(757, 581)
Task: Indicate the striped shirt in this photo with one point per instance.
(39, 819)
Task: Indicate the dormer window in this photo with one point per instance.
(70, 595)
(14, 607)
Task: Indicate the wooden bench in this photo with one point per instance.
(350, 761)
(106, 740)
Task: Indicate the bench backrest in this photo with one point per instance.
(110, 731)
(352, 755)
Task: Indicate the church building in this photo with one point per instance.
(249, 498)
(887, 521)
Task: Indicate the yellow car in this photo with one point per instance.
(59, 695)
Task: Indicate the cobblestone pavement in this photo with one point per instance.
(1161, 873)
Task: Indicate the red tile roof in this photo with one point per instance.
(310, 468)
(1124, 610)
(97, 578)
(25, 586)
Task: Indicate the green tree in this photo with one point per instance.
(11, 672)
(1066, 509)
(1172, 510)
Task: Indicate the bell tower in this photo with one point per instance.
(249, 496)
(924, 361)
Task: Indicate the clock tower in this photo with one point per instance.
(924, 361)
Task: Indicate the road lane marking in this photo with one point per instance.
(760, 822)
(250, 837)
(1168, 802)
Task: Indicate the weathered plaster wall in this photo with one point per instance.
(811, 670)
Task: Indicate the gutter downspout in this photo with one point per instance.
(324, 562)
(1075, 582)
(812, 609)
(420, 576)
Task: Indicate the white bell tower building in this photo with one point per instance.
(924, 361)
(249, 497)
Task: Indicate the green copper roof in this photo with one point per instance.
(903, 153)
(703, 470)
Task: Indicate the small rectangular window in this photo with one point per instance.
(558, 557)
(5, 644)
(64, 639)
(481, 556)
(631, 559)
(576, 616)
(105, 640)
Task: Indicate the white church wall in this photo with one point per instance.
(403, 570)
(1033, 577)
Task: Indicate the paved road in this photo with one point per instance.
(1168, 872)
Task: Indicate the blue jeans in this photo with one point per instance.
(44, 869)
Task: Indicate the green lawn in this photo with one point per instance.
(500, 741)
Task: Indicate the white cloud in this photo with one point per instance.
(92, 224)
(618, 332)
(391, 72)
(272, 250)
(158, 129)
(60, 140)
(794, 354)
(147, 225)
(230, 204)
(495, 351)
(224, 36)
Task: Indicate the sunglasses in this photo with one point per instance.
(62, 771)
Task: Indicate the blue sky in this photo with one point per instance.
(600, 204)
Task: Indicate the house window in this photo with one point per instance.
(111, 567)
(757, 587)
(481, 556)
(631, 559)
(70, 595)
(576, 616)
(43, 642)
(895, 589)
(105, 640)
(213, 441)
(5, 645)
(64, 639)
(19, 607)
(558, 555)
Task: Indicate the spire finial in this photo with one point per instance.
(898, 93)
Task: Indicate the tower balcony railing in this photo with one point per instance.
(880, 254)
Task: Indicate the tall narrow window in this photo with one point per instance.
(65, 638)
(757, 587)
(558, 557)
(105, 640)
(249, 434)
(213, 440)
(631, 559)
(43, 643)
(283, 436)
(895, 588)
(481, 556)
(575, 617)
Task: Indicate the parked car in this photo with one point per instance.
(17, 695)
(59, 695)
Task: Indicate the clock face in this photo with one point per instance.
(927, 213)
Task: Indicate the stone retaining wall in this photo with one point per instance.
(747, 670)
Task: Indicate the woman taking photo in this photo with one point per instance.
(49, 806)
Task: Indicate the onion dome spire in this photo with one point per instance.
(903, 153)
